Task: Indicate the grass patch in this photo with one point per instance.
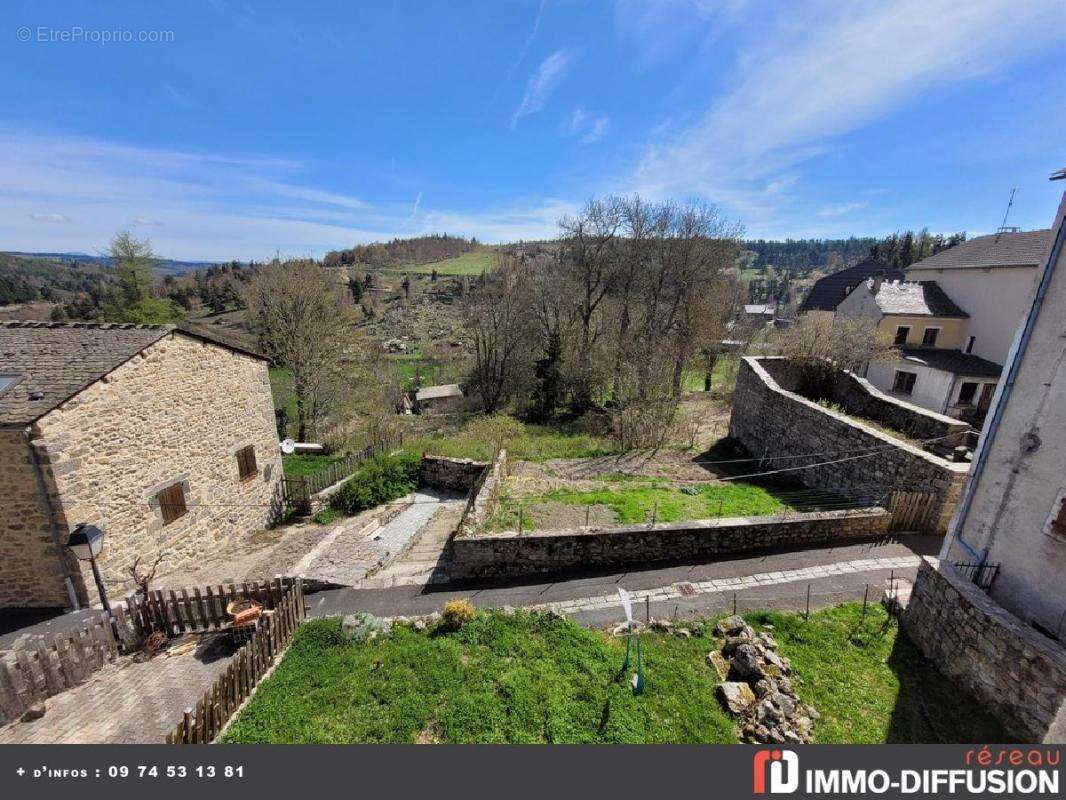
(523, 441)
(534, 678)
(472, 263)
(635, 499)
(414, 369)
(326, 515)
(281, 389)
(300, 465)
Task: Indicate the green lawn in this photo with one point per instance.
(281, 389)
(533, 678)
(299, 465)
(523, 441)
(472, 263)
(410, 368)
(639, 503)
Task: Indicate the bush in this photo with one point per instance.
(456, 613)
(378, 480)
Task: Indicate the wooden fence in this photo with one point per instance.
(911, 511)
(202, 724)
(48, 667)
(175, 612)
(299, 490)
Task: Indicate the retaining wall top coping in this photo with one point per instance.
(683, 526)
(976, 596)
(470, 461)
(773, 385)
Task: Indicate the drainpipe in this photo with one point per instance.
(53, 524)
(1014, 360)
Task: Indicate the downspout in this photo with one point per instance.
(1014, 360)
(53, 524)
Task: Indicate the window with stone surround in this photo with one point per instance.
(246, 466)
(172, 502)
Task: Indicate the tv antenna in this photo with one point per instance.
(1004, 227)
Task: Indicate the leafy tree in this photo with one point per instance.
(132, 300)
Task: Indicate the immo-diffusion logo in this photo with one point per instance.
(782, 766)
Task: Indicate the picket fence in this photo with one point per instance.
(202, 724)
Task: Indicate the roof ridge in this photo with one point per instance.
(102, 326)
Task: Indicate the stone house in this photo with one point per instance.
(827, 292)
(993, 616)
(162, 436)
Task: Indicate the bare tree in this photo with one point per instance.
(298, 317)
(822, 344)
(496, 312)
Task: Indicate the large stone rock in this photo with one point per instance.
(746, 663)
(730, 626)
(721, 666)
(736, 696)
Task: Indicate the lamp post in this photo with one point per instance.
(85, 542)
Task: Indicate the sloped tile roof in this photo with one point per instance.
(953, 361)
(918, 298)
(54, 361)
(1021, 249)
(827, 292)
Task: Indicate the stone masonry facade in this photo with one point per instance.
(32, 564)
(491, 555)
(781, 425)
(176, 413)
(1016, 672)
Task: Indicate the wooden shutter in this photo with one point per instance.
(172, 503)
(246, 466)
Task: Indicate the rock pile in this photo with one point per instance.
(757, 686)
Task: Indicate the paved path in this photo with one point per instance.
(835, 574)
(427, 557)
(129, 702)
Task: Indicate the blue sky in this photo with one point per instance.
(254, 127)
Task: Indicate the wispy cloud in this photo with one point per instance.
(655, 29)
(588, 128)
(826, 70)
(839, 209)
(541, 84)
(213, 206)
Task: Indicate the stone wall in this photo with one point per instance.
(488, 555)
(176, 413)
(860, 397)
(1018, 674)
(483, 494)
(32, 565)
(454, 474)
(769, 420)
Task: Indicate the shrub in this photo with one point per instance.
(378, 480)
(456, 613)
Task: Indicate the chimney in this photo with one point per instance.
(875, 285)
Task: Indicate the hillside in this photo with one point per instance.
(163, 266)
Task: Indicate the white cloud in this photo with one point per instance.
(658, 28)
(839, 209)
(827, 70)
(542, 84)
(588, 128)
(205, 206)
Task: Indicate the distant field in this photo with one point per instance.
(473, 263)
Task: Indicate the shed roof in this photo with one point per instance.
(438, 392)
(953, 361)
(51, 362)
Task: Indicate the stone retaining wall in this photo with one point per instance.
(455, 474)
(487, 555)
(482, 495)
(1018, 674)
(860, 397)
(769, 420)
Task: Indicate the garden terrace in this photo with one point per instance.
(532, 678)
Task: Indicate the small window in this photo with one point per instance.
(246, 467)
(172, 503)
(902, 332)
(969, 344)
(967, 394)
(904, 382)
(929, 337)
(7, 381)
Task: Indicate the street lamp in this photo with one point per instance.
(85, 542)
